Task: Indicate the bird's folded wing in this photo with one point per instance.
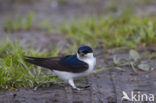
(59, 63)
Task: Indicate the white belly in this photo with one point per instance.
(70, 75)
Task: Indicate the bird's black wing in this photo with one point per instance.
(68, 63)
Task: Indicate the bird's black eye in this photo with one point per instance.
(85, 51)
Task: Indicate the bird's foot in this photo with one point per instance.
(79, 89)
(71, 82)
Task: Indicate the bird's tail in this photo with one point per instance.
(36, 60)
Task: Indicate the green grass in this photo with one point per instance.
(119, 31)
(16, 73)
(19, 23)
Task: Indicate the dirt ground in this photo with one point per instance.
(105, 86)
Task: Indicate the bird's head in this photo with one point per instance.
(85, 52)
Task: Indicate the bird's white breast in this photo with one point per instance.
(91, 63)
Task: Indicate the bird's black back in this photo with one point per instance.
(68, 63)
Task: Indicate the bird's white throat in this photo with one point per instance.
(90, 60)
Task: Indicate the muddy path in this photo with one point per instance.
(96, 93)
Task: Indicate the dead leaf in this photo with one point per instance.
(134, 55)
(144, 67)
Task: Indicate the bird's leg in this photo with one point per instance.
(71, 82)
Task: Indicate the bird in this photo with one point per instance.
(68, 67)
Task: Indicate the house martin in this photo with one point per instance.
(68, 67)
